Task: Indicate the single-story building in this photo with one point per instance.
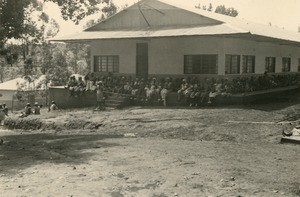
(158, 37)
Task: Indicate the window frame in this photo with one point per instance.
(268, 65)
(200, 64)
(245, 67)
(230, 66)
(284, 70)
(106, 63)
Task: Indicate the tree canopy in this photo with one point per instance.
(221, 9)
(15, 14)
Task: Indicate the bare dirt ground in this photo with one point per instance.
(217, 151)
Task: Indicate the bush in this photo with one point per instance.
(23, 123)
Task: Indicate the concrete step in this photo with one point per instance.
(114, 100)
(112, 105)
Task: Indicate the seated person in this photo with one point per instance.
(80, 87)
(27, 111)
(183, 87)
(227, 88)
(187, 93)
(127, 88)
(153, 93)
(134, 92)
(53, 106)
(194, 96)
(5, 109)
(217, 90)
(37, 109)
(89, 81)
(72, 83)
(2, 115)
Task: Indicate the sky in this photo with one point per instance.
(281, 13)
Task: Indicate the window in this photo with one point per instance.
(286, 64)
(108, 63)
(248, 64)
(232, 64)
(270, 64)
(200, 64)
(298, 64)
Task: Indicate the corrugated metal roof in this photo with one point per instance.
(221, 29)
(230, 25)
(242, 24)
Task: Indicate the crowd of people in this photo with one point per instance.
(191, 91)
(36, 109)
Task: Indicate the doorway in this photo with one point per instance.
(142, 60)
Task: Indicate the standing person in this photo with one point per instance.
(100, 96)
(163, 94)
(2, 115)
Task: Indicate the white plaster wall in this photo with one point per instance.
(169, 53)
(126, 49)
(166, 55)
(6, 94)
(262, 50)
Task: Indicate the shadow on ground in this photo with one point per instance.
(19, 152)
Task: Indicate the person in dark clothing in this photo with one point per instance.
(37, 109)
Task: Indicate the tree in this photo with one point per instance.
(13, 14)
(59, 73)
(16, 23)
(107, 11)
(77, 58)
(34, 30)
(221, 9)
(210, 7)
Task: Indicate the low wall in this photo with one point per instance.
(244, 98)
(63, 99)
(265, 95)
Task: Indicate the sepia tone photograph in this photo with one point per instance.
(149, 98)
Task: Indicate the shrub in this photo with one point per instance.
(23, 123)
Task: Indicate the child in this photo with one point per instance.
(163, 94)
(100, 96)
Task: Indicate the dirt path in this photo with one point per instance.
(169, 152)
(97, 165)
